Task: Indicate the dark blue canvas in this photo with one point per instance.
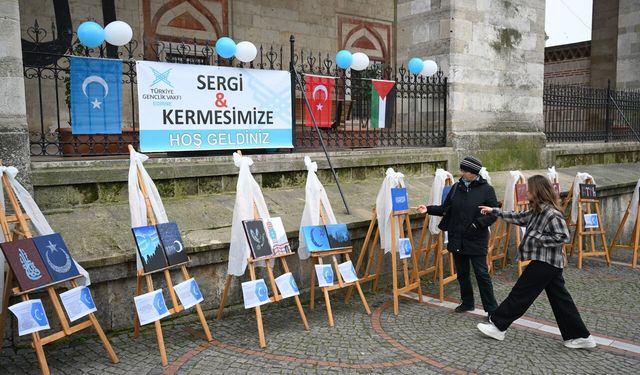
(315, 236)
(338, 235)
(96, 96)
(445, 192)
(149, 248)
(56, 256)
(399, 199)
(172, 243)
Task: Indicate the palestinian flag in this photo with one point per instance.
(383, 95)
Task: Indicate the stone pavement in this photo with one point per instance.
(425, 338)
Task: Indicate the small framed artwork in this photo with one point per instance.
(556, 188)
(399, 199)
(521, 193)
(591, 221)
(588, 191)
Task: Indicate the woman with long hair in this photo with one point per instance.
(542, 243)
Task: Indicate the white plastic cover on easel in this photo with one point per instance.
(552, 174)
(393, 179)
(509, 198)
(315, 195)
(580, 179)
(248, 192)
(484, 173)
(439, 183)
(35, 216)
(137, 205)
(633, 212)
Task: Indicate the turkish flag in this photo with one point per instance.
(319, 91)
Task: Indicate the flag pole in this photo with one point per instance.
(315, 125)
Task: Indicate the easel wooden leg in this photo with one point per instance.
(364, 300)
(312, 283)
(203, 320)
(379, 260)
(327, 301)
(103, 338)
(261, 339)
(225, 294)
(635, 244)
(579, 233)
(136, 319)
(158, 328)
(42, 359)
(603, 235)
(285, 267)
(8, 277)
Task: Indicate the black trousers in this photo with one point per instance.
(539, 276)
(482, 277)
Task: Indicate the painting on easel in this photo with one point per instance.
(257, 237)
(26, 264)
(56, 257)
(338, 236)
(172, 242)
(149, 248)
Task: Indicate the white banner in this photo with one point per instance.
(185, 107)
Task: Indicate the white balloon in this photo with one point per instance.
(118, 33)
(429, 68)
(360, 61)
(246, 51)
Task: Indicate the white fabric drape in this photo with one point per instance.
(485, 174)
(393, 179)
(580, 179)
(509, 195)
(315, 195)
(552, 174)
(36, 217)
(137, 205)
(248, 192)
(439, 183)
(633, 212)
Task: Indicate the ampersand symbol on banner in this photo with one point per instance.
(221, 102)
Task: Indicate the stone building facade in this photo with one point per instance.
(568, 64)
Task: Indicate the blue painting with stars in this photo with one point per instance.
(96, 95)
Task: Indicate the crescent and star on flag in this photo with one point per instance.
(95, 104)
(323, 89)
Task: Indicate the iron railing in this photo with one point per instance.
(419, 118)
(586, 114)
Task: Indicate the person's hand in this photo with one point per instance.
(422, 209)
(485, 210)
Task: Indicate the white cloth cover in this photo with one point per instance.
(247, 192)
(36, 217)
(580, 179)
(393, 179)
(485, 174)
(552, 174)
(136, 199)
(439, 183)
(315, 195)
(509, 195)
(633, 212)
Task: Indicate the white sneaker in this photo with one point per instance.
(491, 330)
(581, 343)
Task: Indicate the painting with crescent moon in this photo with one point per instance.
(149, 248)
(316, 238)
(172, 243)
(26, 264)
(257, 238)
(56, 256)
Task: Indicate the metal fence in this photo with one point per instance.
(586, 114)
(419, 118)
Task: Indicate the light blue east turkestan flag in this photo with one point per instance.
(96, 96)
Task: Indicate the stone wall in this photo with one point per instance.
(604, 42)
(568, 64)
(627, 68)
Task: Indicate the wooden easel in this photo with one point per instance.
(316, 258)
(435, 244)
(634, 243)
(272, 281)
(147, 276)
(585, 206)
(411, 281)
(22, 230)
(370, 248)
(500, 241)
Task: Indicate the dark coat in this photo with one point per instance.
(468, 228)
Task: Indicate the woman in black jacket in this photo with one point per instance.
(468, 232)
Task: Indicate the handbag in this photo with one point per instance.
(444, 223)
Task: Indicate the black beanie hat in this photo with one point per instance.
(471, 164)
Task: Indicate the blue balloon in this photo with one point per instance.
(90, 34)
(344, 59)
(226, 47)
(415, 65)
